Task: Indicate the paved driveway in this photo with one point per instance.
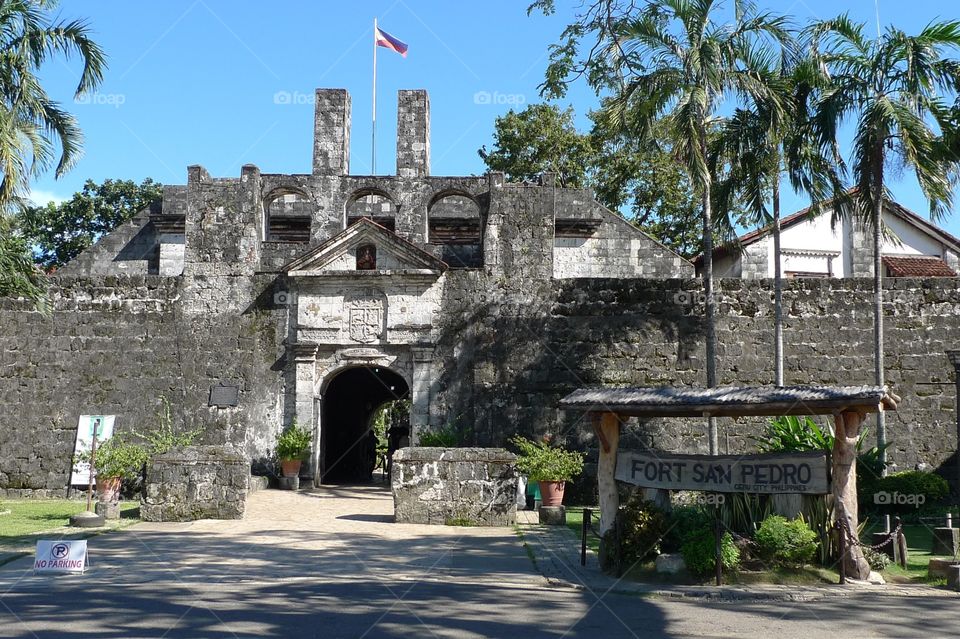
(329, 563)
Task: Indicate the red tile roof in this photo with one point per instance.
(917, 267)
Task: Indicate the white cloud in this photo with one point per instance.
(40, 197)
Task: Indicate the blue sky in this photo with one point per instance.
(223, 83)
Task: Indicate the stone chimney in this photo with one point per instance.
(331, 132)
(413, 133)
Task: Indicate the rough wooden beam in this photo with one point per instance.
(609, 430)
(847, 431)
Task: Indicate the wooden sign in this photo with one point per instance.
(804, 473)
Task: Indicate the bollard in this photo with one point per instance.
(717, 554)
(843, 553)
(584, 527)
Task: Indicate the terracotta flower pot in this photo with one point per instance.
(290, 467)
(108, 488)
(551, 492)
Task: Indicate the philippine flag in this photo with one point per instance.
(384, 39)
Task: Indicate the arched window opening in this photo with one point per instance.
(455, 229)
(289, 215)
(373, 205)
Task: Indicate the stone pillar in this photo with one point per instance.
(305, 362)
(331, 132)
(420, 391)
(413, 134)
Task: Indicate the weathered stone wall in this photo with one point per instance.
(116, 345)
(198, 482)
(650, 332)
(455, 485)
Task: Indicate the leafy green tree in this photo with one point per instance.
(892, 87)
(60, 232)
(19, 276)
(643, 182)
(675, 61)
(31, 123)
(540, 138)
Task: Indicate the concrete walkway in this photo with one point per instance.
(330, 563)
(325, 532)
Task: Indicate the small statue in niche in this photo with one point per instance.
(366, 257)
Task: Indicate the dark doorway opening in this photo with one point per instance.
(347, 440)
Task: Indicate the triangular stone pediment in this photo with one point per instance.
(340, 254)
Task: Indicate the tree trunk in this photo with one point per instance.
(777, 288)
(609, 435)
(710, 302)
(844, 487)
(878, 300)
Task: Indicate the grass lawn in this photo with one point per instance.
(919, 543)
(23, 522)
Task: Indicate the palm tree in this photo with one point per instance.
(891, 87)
(681, 62)
(31, 122)
(757, 145)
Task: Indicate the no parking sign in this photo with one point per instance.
(61, 556)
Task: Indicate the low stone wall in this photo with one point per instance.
(455, 486)
(198, 482)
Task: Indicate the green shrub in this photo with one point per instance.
(293, 443)
(541, 462)
(787, 541)
(445, 437)
(117, 457)
(163, 437)
(878, 560)
(699, 552)
(683, 523)
(642, 526)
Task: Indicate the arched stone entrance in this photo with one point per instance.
(350, 399)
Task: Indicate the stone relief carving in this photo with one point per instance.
(366, 314)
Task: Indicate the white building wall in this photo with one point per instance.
(817, 235)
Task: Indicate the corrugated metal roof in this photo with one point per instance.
(685, 401)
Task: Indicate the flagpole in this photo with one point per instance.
(373, 137)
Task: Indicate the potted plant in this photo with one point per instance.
(116, 459)
(292, 446)
(550, 466)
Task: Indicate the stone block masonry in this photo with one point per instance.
(198, 482)
(460, 486)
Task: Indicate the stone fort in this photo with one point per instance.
(317, 297)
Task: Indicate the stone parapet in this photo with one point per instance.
(459, 486)
(198, 482)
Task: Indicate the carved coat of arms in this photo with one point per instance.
(365, 319)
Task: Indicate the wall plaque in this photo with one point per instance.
(224, 395)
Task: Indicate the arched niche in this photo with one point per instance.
(288, 214)
(374, 204)
(455, 228)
